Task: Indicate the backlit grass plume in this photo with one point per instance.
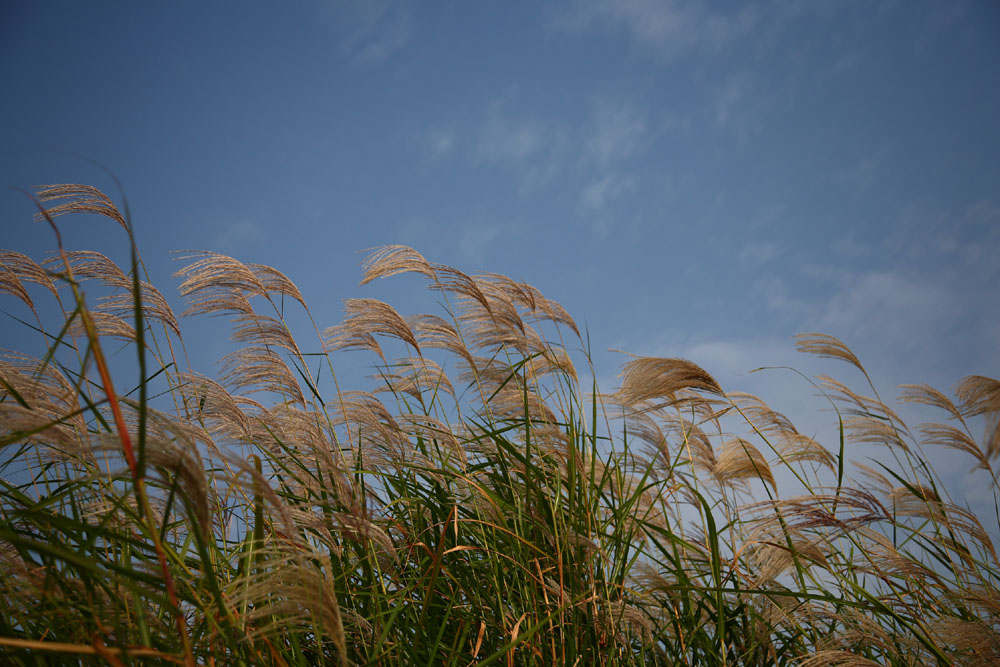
(479, 501)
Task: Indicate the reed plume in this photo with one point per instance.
(482, 501)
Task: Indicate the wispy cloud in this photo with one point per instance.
(536, 148)
(593, 150)
(730, 98)
(759, 252)
(617, 131)
(438, 142)
(510, 137)
(474, 242)
(238, 235)
(598, 194)
(905, 311)
(370, 31)
(865, 173)
(668, 27)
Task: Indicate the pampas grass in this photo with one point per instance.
(480, 502)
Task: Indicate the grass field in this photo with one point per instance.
(480, 502)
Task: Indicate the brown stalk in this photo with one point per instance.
(83, 649)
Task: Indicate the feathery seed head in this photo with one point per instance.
(647, 378)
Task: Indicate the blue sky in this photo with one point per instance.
(688, 179)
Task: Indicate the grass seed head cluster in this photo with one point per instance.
(479, 502)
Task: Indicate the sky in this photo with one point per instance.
(688, 179)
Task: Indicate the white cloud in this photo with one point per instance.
(370, 31)
(905, 312)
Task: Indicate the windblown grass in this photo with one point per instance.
(482, 503)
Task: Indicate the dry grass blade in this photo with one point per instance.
(854, 508)
(452, 280)
(92, 264)
(740, 460)
(874, 432)
(89, 264)
(763, 418)
(84, 649)
(775, 558)
(417, 376)
(974, 640)
(35, 381)
(25, 268)
(531, 299)
(299, 592)
(38, 402)
(49, 431)
(212, 403)
(876, 480)
(835, 658)
(648, 378)
(154, 306)
(216, 283)
(515, 292)
(694, 441)
(336, 338)
(922, 502)
(391, 260)
(880, 557)
(11, 284)
(434, 332)
(276, 282)
(979, 394)
(105, 324)
(256, 369)
(435, 431)
(945, 435)
(827, 346)
(363, 412)
(262, 330)
(927, 395)
(79, 199)
(512, 403)
(501, 313)
(174, 446)
(798, 447)
(551, 360)
(918, 500)
(514, 515)
(859, 404)
(364, 318)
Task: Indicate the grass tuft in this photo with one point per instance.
(480, 502)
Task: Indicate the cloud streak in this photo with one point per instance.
(667, 27)
(600, 193)
(370, 31)
(617, 132)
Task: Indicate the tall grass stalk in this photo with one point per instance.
(479, 503)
